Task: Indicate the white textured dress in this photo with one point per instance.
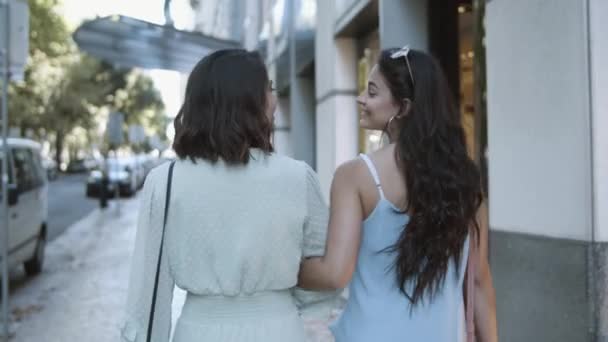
(234, 240)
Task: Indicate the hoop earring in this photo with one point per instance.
(388, 125)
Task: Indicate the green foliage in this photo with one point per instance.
(49, 33)
(139, 100)
(65, 92)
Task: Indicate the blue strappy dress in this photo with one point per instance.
(376, 310)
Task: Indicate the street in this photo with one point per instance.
(67, 202)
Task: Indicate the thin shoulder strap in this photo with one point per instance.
(168, 196)
(374, 172)
(160, 253)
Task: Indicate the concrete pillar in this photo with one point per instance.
(538, 118)
(540, 168)
(599, 89)
(252, 23)
(302, 93)
(404, 22)
(282, 122)
(336, 91)
(598, 49)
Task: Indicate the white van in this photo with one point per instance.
(28, 206)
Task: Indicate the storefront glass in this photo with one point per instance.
(370, 48)
(467, 89)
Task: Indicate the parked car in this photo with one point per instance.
(51, 168)
(138, 164)
(28, 206)
(120, 172)
(148, 163)
(82, 165)
(77, 166)
(91, 163)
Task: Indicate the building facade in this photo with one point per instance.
(548, 154)
(542, 136)
(536, 120)
(546, 138)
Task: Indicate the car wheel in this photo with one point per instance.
(130, 192)
(34, 265)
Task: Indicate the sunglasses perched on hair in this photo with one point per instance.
(403, 52)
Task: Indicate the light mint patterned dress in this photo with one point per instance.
(235, 238)
(376, 310)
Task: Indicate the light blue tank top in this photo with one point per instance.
(376, 310)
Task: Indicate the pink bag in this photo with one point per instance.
(471, 263)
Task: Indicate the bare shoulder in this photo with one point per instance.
(350, 173)
(351, 168)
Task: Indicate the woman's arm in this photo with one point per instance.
(334, 270)
(485, 296)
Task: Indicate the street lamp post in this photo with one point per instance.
(4, 54)
(14, 30)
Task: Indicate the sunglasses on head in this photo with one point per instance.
(403, 52)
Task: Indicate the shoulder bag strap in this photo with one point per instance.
(160, 254)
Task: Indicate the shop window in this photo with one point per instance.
(368, 140)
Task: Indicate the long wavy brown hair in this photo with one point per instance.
(443, 183)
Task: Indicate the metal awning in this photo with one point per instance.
(129, 42)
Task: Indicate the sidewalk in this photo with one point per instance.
(81, 293)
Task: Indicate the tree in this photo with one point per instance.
(64, 91)
(50, 43)
(142, 104)
(49, 32)
(73, 101)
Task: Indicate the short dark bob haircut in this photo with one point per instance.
(224, 110)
